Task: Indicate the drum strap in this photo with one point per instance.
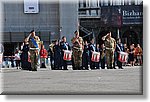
(118, 47)
(66, 46)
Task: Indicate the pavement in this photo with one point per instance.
(72, 82)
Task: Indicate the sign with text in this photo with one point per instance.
(132, 15)
(31, 6)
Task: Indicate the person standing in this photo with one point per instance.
(64, 46)
(25, 64)
(110, 45)
(34, 42)
(119, 48)
(77, 49)
(92, 49)
(17, 58)
(131, 54)
(57, 56)
(102, 56)
(97, 50)
(51, 54)
(127, 51)
(85, 56)
(43, 56)
(138, 53)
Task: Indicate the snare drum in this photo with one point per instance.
(1, 58)
(67, 55)
(123, 56)
(95, 57)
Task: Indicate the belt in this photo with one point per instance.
(77, 48)
(34, 48)
(109, 48)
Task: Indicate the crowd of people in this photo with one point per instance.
(33, 51)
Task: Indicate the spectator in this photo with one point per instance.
(138, 54)
(131, 54)
(17, 59)
(43, 56)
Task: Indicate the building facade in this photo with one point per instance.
(51, 21)
(123, 17)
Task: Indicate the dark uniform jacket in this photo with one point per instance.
(64, 46)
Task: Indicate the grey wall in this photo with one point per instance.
(17, 22)
(68, 18)
(52, 17)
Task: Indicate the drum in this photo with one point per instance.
(123, 56)
(95, 56)
(1, 58)
(67, 55)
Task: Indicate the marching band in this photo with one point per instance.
(82, 55)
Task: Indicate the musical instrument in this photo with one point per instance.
(67, 55)
(95, 56)
(1, 58)
(123, 56)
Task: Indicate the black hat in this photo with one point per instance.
(32, 31)
(75, 31)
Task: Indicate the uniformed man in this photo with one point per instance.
(92, 48)
(34, 47)
(110, 46)
(85, 56)
(64, 46)
(77, 49)
(119, 48)
(102, 56)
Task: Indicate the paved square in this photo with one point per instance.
(45, 81)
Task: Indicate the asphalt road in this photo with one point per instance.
(46, 81)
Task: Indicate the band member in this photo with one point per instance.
(25, 64)
(110, 45)
(85, 56)
(119, 48)
(64, 46)
(102, 57)
(34, 43)
(77, 49)
(92, 49)
(57, 56)
(97, 50)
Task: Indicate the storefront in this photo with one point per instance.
(125, 22)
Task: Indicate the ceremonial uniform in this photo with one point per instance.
(64, 46)
(77, 52)
(57, 57)
(92, 48)
(102, 58)
(34, 43)
(110, 45)
(85, 57)
(25, 64)
(119, 48)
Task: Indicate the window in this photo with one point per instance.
(93, 3)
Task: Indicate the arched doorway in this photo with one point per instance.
(130, 37)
